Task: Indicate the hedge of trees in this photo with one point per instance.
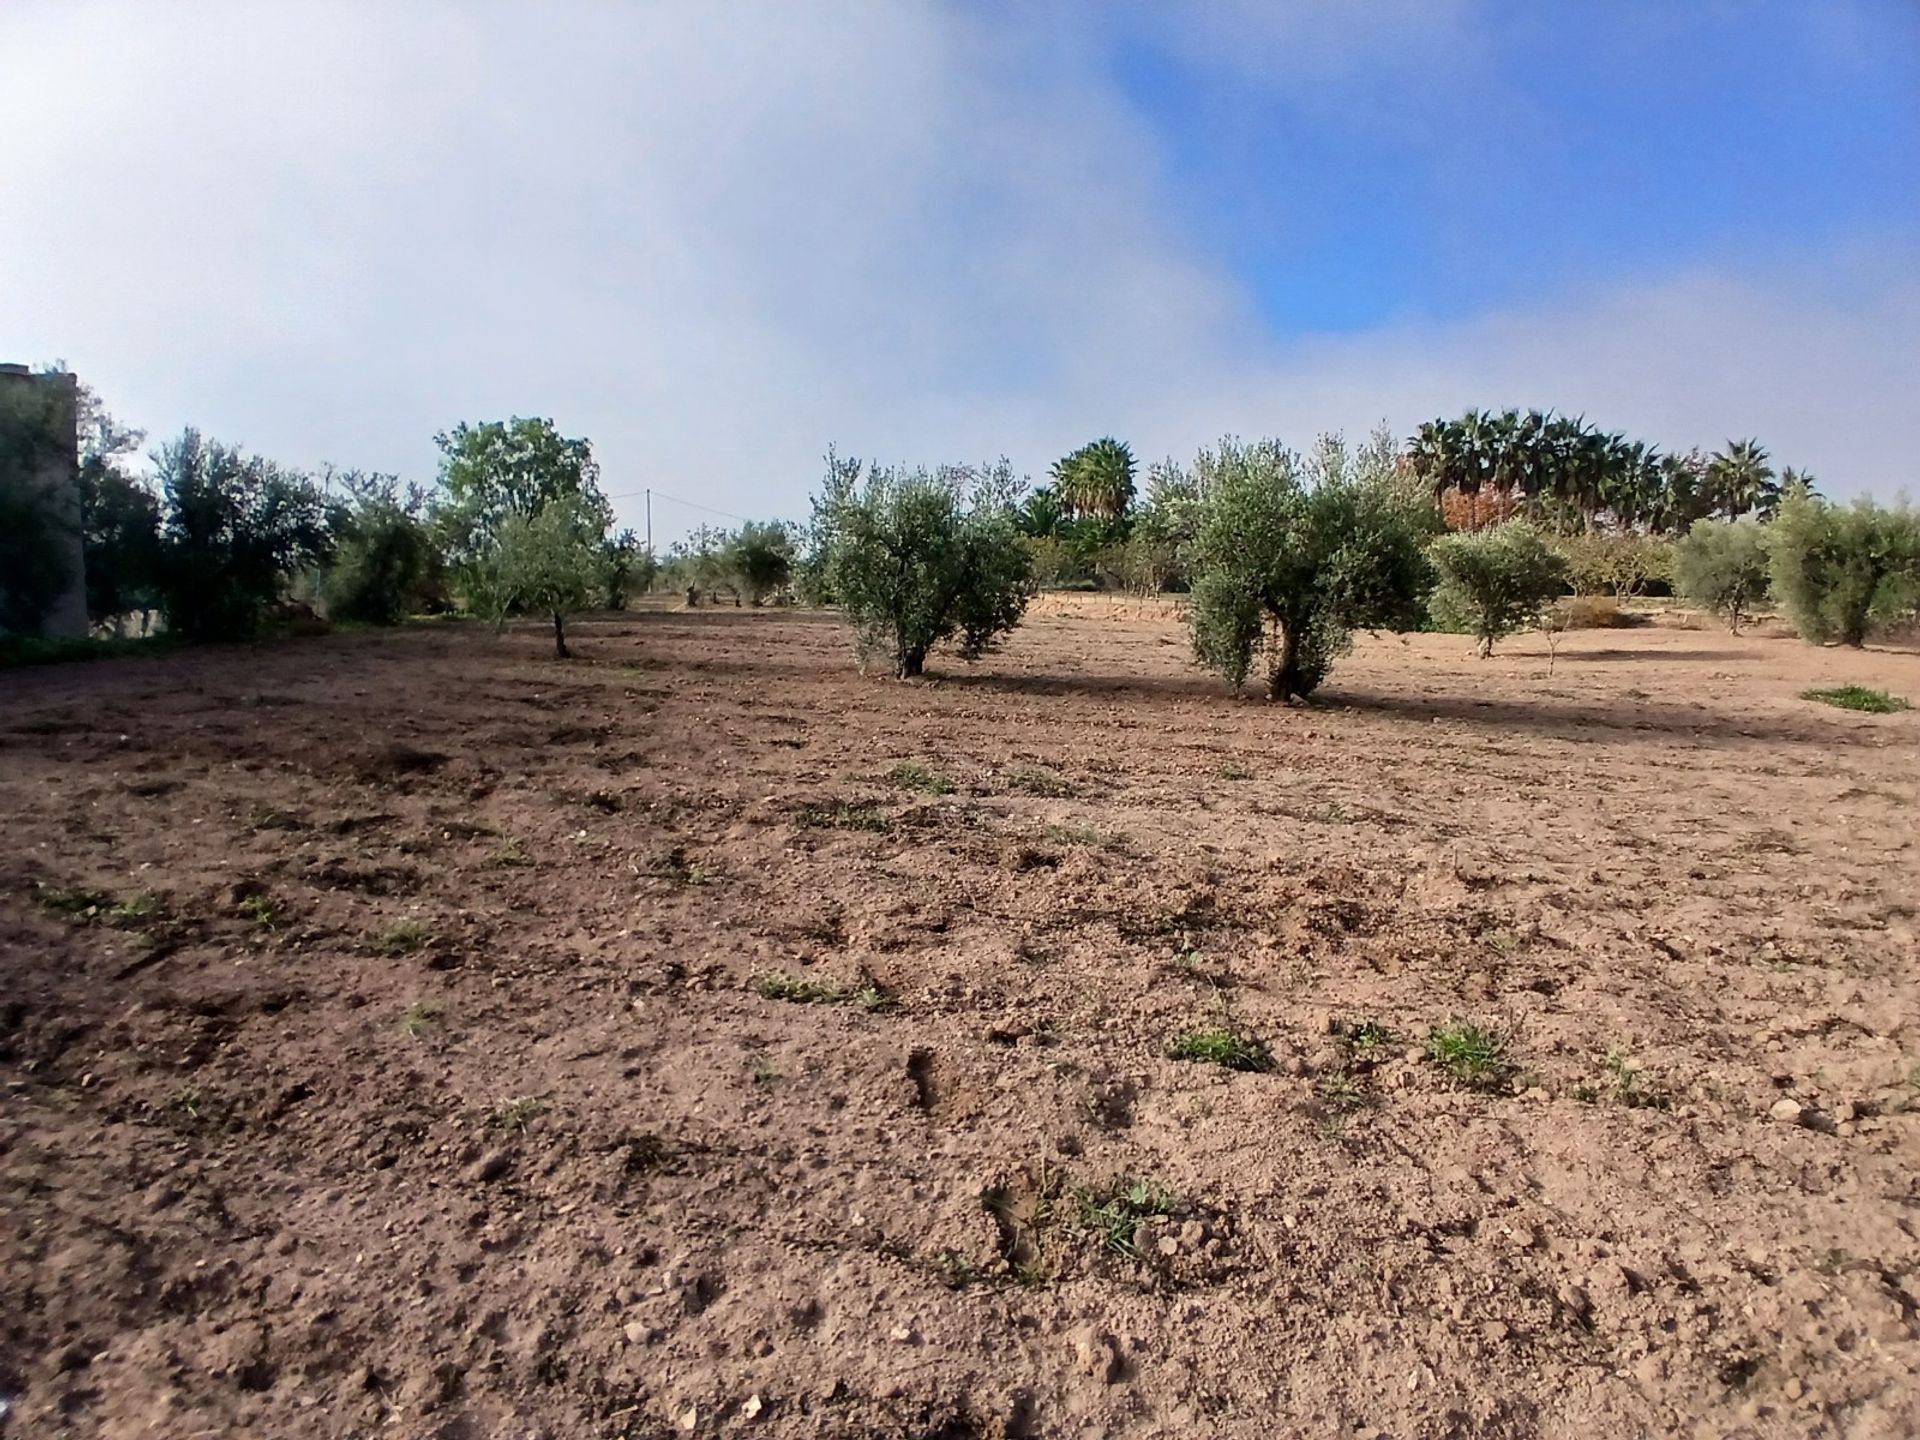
(1482, 525)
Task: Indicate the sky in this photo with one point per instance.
(716, 238)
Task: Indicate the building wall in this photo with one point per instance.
(60, 476)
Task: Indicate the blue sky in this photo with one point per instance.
(715, 239)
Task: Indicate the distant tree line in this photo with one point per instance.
(1484, 525)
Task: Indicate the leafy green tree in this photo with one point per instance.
(1096, 481)
(552, 562)
(1298, 554)
(1838, 569)
(35, 538)
(916, 558)
(1494, 582)
(235, 527)
(1721, 565)
(629, 567)
(1740, 481)
(1614, 562)
(384, 564)
(503, 468)
(759, 557)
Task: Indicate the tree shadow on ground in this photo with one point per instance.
(1603, 720)
(1613, 653)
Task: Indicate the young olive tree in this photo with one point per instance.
(759, 557)
(1298, 554)
(552, 562)
(1722, 566)
(1494, 582)
(915, 558)
(1838, 569)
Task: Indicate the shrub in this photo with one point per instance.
(1494, 582)
(235, 528)
(1298, 554)
(1837, 570)
(550, 563)
(1722, 566)
(918, 558)
(1616, 563)
(385, 565)
(629, 568)
(120, 537)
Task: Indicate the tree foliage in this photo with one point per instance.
(1838, 569)
(1721, 565)
(235, 527)
(1494, 582)
(759, 557)
(1096, 481)
(493, 471)
(1619, 563)
(917, 558)
(1299, 554)
(552, 562)
(385, 565)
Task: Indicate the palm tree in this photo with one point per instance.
(1096, 479)
(1040, 513)
(1740, 480)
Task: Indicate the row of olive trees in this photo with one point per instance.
(1288, 555)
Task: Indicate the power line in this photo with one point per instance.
(690, 504)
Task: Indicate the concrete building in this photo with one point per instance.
(54, 400)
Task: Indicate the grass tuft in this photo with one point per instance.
(841, 815)
(401, 939)
(909, 776)
(1038, 780)
(1219, 1045)
(799, 990)
(1858, 697)
(1115, 1212)
(1474, 1055)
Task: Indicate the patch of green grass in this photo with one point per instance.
(1627, 1085)
(1474, 1055)
(421, 1016)
(509, 854)
(909, 776)
(401, 939)
(517, 1114)
(1221, 1045)
(1115, 1211)
(1343, 1093)
(259, 909)
(1084, 835)
(1231, 771)
(88, 906)
(1367, 1034)
(1858, 697)
(33, 650)
(799, 990)
(761, 1071)
(957, 1270)
(1038, 780)
(270, 817)
(841, 815)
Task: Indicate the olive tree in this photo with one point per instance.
(552, 562)
(1721, 565)
(916, 558)
(1494, 582)
(759, 557)
(1295, 554)
(1837, 569)
(385, 565)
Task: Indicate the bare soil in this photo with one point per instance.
(385, 1050)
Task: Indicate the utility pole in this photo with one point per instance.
(649, 520)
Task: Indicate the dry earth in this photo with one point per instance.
(383, 1053)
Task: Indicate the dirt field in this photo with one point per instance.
(385, 1048)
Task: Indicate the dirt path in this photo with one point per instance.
(385, 1050)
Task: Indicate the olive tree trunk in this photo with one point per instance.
(560, 651)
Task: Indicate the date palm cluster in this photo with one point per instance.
(1571, 474)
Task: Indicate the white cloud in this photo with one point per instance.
(714, 238)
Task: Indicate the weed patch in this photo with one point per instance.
(908, 776)
(1038, 780)
(799, 990)
(1858, 697)
(401, 939)
(841, 815)
(1475, 1056)
(1221, 1045)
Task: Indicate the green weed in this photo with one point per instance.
(1114, 1213)
(909, 776)
(1220, 1045)
(1038, 780)
(1475, 1056)
(1858, 697)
